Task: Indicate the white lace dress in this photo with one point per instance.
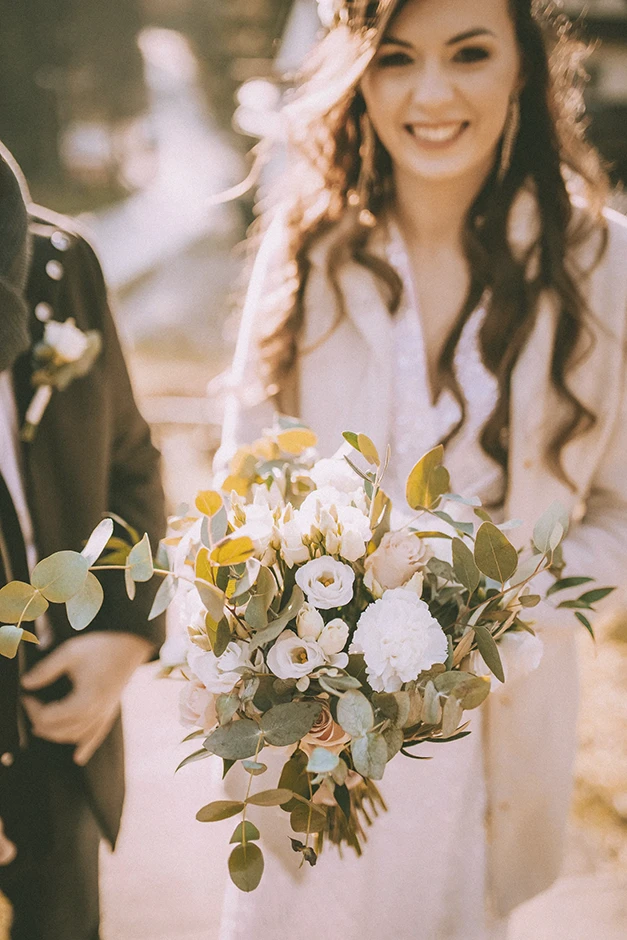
(423, 873)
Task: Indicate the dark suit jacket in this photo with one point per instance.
(91, 455)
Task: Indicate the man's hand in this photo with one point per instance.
(99, 665)
(7, 849)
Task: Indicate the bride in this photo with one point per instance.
(440, 268)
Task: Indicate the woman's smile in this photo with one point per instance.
(436, 136)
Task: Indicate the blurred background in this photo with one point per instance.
(133, 114)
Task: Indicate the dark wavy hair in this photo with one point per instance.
(550, 150)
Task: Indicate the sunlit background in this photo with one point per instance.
(135, 115)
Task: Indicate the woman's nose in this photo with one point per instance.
(432, 87)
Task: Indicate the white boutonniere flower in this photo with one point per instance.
(64, 354)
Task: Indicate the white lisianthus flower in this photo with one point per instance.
(399, 556)
(68, 342)
(355, 532)
(326, 583)
(520, 651)
(399, 639)
(309, 622)
(335, 472)
(218, 673)
(292, 657)
(293, 550)
(333, 638)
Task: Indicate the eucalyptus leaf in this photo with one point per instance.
(565, 583)
(451, 716)
(60, 576)
(209, 502)
(584, 620)
(140, 560)
(276, 627)
(466, 527)
(218, 526)
(226, 707)
(441, 569)
(472, 501)
(212, 598)
(336, 685)
(555, 515)
(19, 600)
(368, 450)
(223, 637)
(431, 706)
(256, 614)
(97, 541)
(370, 755)
(245, 832)
(393, 740)
(248, 578)
(495, 556)
(232, 550)
(254, 768)
(354, 713)
(164, 596)
(274, 797)
(218, 810)
(529, 600)
(10, 638)
(322, 761)
(129, 584)
(428, 480)
(593, 597)
(465, 567)
(308, 817)
(84, 606)
(193, 758)
(236, 740)
(287, 724)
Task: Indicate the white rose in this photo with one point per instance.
(335, 472)
(217, 673)
(292, 657)
(399, 556)
(326, 583)
(197, 706)
(309, 622)
(399, 639)
(293, 551)
(334, 637)
(520, 651)
(68, 342)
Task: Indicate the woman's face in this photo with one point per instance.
(438, 88)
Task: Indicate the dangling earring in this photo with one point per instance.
(367, 174)
(510, 133)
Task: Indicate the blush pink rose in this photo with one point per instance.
(197, 706)
(325, 733)
(398, 558)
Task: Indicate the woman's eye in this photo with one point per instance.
(393, 59)
(472, 54)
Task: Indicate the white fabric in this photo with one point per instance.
(530, 741)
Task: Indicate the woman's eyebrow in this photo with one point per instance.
(468, 34)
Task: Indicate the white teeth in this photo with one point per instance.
(436, 133)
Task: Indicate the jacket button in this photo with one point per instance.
(54, 270)
(60, 241)
(43, 312)
(7, 759)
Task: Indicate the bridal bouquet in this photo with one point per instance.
(316, 631)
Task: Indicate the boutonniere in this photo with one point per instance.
(65, 353)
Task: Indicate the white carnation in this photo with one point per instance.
(399, 639)
(326, 582)
(68, 342)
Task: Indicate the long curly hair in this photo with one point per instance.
(324, 130)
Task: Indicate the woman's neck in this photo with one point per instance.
(433, 213)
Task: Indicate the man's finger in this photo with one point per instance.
(67, 717)
(7, 848)
(90, 744)
(48, 670)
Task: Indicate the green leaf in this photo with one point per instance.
(192, 758)
(495, 555)
(584, 620)
(322, 761)
(140, 560)
(129, 584)
(212, 597)
(21, 600)
(251, 572)
(10, 638)
(270, 797)
(465, 567)
(245, 832)
(83, 607)
(226, 707)
(287, 724)
(308, 817)
(236, 740)
(370, 755)
(354, 713)
(466, 527)
(394, 741)
(218, 526)
(546, 525)
(352, 438)
(60, 576)
(593, 597)
(367, 449)
(428, 480)
(276, 627)
(335, 685)
(441, 569)
(208, 502)
(246, 866)
(254, 768)
(451, 716)
(97, 541)
(223, 637)
(431, 707)
(218, 810)
(471, 691)
(164, 596)
(565, 583)
(256, 615)
(529, 600)
(490, 651)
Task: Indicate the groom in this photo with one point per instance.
(61, 761)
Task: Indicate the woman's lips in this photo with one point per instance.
(436, 136)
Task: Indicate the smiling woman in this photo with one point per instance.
(440, 269)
